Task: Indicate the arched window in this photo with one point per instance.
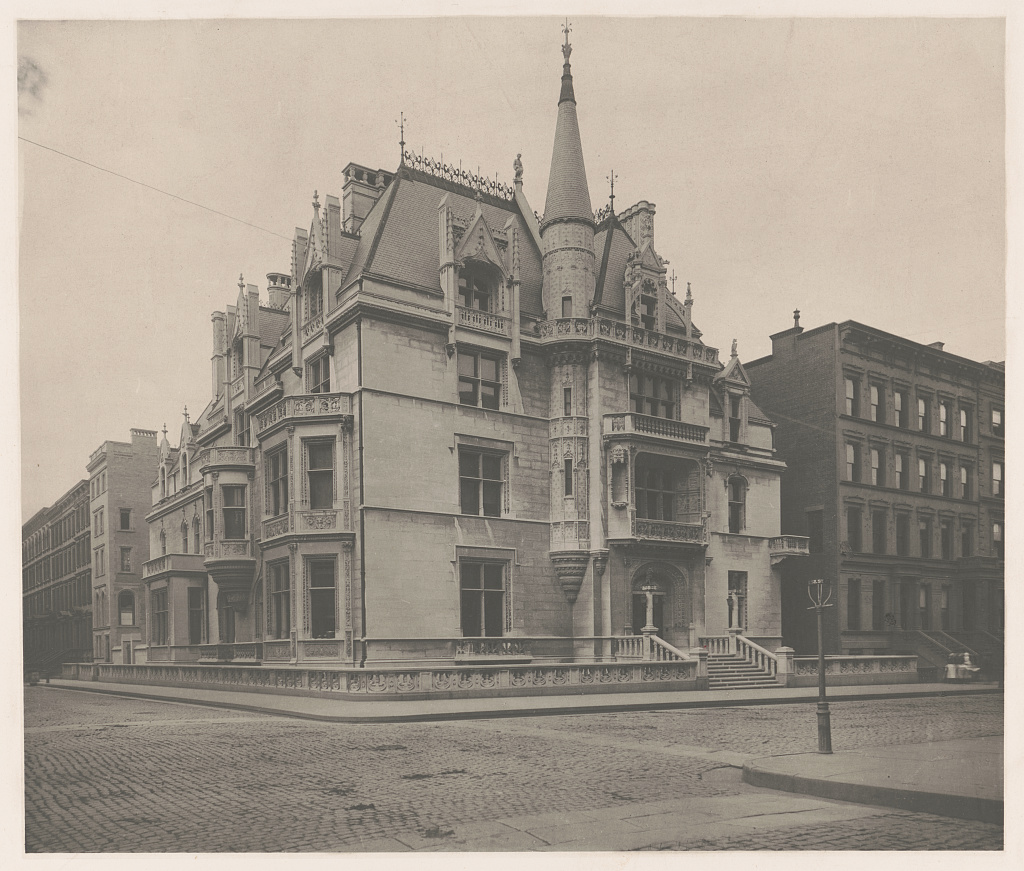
(737, 504)
(184, 537)
(184, 469)
(478, 287)
(126, 607)
(163, 482)
(196, 542)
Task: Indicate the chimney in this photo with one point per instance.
(638, 221)
(362, 188)
(279, 289)
(219, 340)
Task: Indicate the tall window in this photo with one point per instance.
(965, 482)
(966, 538)
(923, 417)
(566, 306)
(997, 539)
(277, 481)
(475, 292)
(853, 603)
(852, 463)
(241, 428)
(184, 537)
(902, 535)
(737, 504)
(163, 542)
(648, 307)
(997, 422)
(567, 401)
(209, 513)
(158, 608)
(567, 477)
(126, 559)
(877, 604)
(877, 468)
(854, 525)
(320, 472)
(997, 477)
(899, 400)
(965, 424)
(234, 510)
(902, 464)
(652, 395)
(101, 561)
(852, 397)
(481, 482)
(945, 413)
(482, 598)
(126, 519)
(196, 615)
(877, 404)
(280, 600)
(315, 301)
(184, 469)
(925, 535)
(126, 607)
(479, 381)
(879, 521)
(943, 479)
(946, 538)
(923, 475)
(655, 490)
(197, 541)
(734, 418)
(318, 375)
(322, 608)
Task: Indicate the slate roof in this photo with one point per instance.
(399, 238)
(568, 195)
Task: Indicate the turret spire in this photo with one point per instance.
(568, 195)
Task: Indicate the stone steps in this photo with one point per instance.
(734, 672)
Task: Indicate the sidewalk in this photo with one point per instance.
(424, 710)
(962, 779)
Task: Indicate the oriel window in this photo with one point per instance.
(234, 510)
(277, 481)
(320, 465)
(322, 599)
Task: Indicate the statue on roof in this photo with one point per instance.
(517, 165)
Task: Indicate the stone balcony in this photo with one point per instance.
(227, 457)
(485, 322)
(174, 564)
(630, 423)
(669, 531)
(785, 546)
(304, 408)
(560, 329)
(305, 521)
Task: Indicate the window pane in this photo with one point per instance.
(489, 395)
(321, 607)
(494, 576)
(234, 523)
(470, 575)
(320, 455)
(493, 617)
(467, 364)
(471, 616)
(491, 466)
(488, 368)
(234, 496)
(467, 392)
(469, 464)
(321, 489)
(469, 494)
(492, 499)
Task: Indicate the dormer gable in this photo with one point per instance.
(478, 244)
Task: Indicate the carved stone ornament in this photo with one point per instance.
(570, 567)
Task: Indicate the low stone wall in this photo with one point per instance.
(844, 671)
(441, 682)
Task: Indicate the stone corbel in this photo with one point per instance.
(570, 567)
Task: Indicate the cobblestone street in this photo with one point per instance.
(114, 774)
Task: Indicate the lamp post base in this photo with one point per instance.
(824, 728)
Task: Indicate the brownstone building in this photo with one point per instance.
(896, 459)
(455, 419)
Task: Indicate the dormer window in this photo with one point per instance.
(734, 418)
(647, 307)
(476, 290)
(184, 469)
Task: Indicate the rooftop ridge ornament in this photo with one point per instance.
(456, 174)
(400, 121)
(672, 278)
(316, 201)
(241, 282)
(611, 196)
(566, 48)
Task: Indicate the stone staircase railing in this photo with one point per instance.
(758, 656)
(661, 651)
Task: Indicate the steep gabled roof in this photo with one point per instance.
(568, 195)
(613, 246)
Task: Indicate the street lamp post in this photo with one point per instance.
(820, 600)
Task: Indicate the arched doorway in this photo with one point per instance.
(670, 601)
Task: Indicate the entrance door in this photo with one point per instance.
(640, 613)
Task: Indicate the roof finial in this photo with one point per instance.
(796, 317)
(566, 48)
(186, 414)
(165, 429)
(401, 138)
(734, 354)
(241, 284)
(316, 201)
(689, 296)
(611, 197)
(672, 278)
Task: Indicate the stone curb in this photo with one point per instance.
(987, 810)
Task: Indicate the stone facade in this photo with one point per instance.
(457, 419)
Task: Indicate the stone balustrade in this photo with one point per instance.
(675, 430)
(684, 349)
(174, 563)
(486, 322)
(668, 530)
(303, 407)
(226, 456)
(784, 546)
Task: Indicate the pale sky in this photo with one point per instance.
(848, 168)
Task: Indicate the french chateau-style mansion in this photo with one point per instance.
(457, 431)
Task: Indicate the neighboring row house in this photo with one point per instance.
(456, 419)
(897, 473)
